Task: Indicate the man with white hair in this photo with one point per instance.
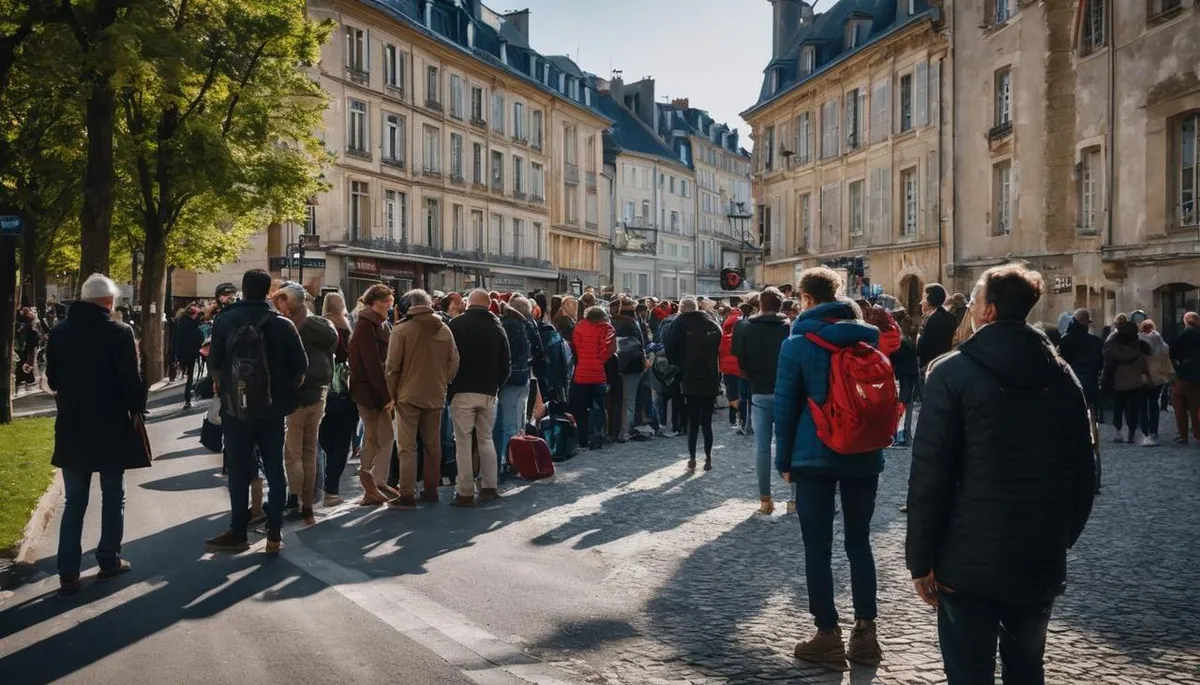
(484, 365)
(319, 338)
(92, 366)
(421, 361)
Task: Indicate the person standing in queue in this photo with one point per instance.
(368, 387)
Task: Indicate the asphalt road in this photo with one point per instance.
(621, 569)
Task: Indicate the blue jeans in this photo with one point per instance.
(78, 486)
(968, 629)
(744, 404)
(241, 437)
(510, 418)
(814, 505)
(588, 402)
(762, 409)
(631, 384)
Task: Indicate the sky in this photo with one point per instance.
(712, 52)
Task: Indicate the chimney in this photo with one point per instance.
(520, 21)
(806, 14)
(786, 20)
(680, 103)
(616, 87)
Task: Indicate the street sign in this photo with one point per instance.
(309, 241)
(11, 224)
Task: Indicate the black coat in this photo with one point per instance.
(694, 347)
(287, 360)
(188, 339)
(1085, 353)
(904, 359)
(1185, 354)
(92, 365)
(937, 336)
(1002, 474)
(484, 356)
(756, 343)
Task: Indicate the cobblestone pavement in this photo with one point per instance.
(721, 597)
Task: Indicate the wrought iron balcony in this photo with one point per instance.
(432, 104)
(457, 179)
(1000, 130)
(432, 172)
(519, 194)
(590, 181)
(537, 198)
(631, 242)
(392, 162)
(358, 153)
(478, 122)
(570, 174)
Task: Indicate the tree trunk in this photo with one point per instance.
(151, 295)
(8, 322)
(99, 180)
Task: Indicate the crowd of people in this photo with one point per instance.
(426, 388)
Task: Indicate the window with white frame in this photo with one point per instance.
(519, 120)
(393, 67)
(906, 103)
(456, 96)
(433, 223)
(1003, 10)
(769, 153)
(393, 139)
(630, 211)
(646, 209)
(477, 230)
(908, 181)
(1002, 198)
(356, 49)
(498, 112)
(808, 60)
(857, 31)
(432, 85)
(1092, 34)
(537, 180)
(1003, 97)
(1186, 169)
(831, 216)
(433, 150)
(1157, 8)
(536, 115)
(357, 140)
(881, 111)
(518, 174)
(857, 211)
(476, 103)
(395, 215)
(360, 213)
(518, 247)
(856, 103)
(497, 170)
(310, 219)
(804, 138)
(457, 229)
(456, 156)
(477, 163)
(805, 221)
(496, 237)
(830, 130)
(539, 241)
(1090, 189)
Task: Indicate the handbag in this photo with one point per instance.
(139, 427)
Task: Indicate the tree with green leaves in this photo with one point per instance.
(219, 125)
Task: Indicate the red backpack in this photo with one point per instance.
(862, 406)
(530, 456)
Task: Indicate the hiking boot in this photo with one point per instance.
(228, 541)
(691, 464)
(69, 585)
(121, 568)
(863, 648)
(332, 500)
(708, 463)
(463, 501)
(404, 503)
(766, 506)
(307, 513)
(823, 649)
(489, 494)
(274, 542)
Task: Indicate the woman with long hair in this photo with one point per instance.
(341, 414)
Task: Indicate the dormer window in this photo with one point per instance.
(562, 83)
(808, 60)
(857, 31)
(503, 52)
(774, 81)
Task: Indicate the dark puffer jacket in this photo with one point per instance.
(756, 343)
(1002, 469)
(1085, 353)
(694, 347)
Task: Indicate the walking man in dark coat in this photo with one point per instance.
(92, 366)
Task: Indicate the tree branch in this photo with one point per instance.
(209, 79)
(237, 95)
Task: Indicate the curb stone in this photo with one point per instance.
(43, 513)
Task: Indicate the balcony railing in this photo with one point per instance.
(536, 145)
(497, 186)
(435, 105)
(390, 161)
(520, 139)
(457, 179)
(478, 122)
(590, 181)
(637, 222)
(570, 174)
(431, 172)
(591, 226)
(537, 198)
(1000, 131)
(402, 247)
(519, 194)
(357, 75)
(632, 242)
(358, 153)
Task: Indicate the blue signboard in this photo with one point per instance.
(11, 224)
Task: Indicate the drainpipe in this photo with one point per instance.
(942, 145)
(1112, 125)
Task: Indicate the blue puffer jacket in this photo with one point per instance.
(804, 372)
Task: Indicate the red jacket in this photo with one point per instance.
(889, 332)
(593, 342)
(729, 363)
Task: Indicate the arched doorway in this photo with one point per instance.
(1175, 300)
(911, 295)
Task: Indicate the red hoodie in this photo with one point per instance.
(593, 342)
(729, 363)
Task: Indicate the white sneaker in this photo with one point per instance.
(1120, 438)
(1149, 441)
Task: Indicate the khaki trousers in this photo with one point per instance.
(300, 451)
(476, 412)
(412, 421)
(375, 456)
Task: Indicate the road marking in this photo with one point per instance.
(482, 657)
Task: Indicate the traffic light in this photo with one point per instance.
(731, 279)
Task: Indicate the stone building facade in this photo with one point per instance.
(850, 140)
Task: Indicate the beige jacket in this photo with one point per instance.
(422, 359)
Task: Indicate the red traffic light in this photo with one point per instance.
(731, 279)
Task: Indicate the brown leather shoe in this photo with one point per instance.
(489, 494)
(122, 567)
(863, 647)
(228, 541)
(463, 501)
(403, 503)
(824, 649)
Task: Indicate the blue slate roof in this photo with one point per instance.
(698, 122)
(628, 133)
(826, 33)
(449, 21)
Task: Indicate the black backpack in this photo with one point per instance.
(246, 392)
